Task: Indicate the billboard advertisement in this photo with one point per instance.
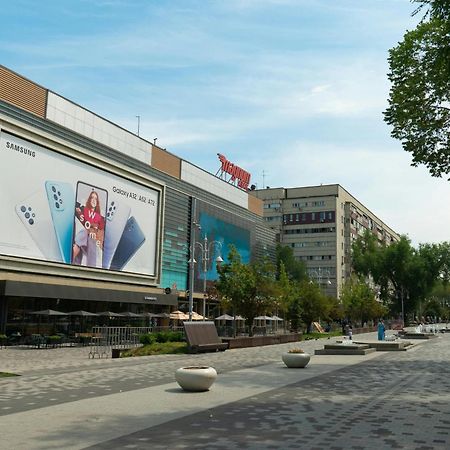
(227, 234)
(58, 209)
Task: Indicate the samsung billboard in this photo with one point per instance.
(61, 210)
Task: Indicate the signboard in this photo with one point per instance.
(58, 209)
(236, 175)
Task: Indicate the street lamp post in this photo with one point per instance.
(205, 247)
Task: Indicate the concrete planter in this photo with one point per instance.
(196, 378)
(296, 360)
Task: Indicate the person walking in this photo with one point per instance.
(381, 330)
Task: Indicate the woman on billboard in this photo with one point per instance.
(89, 226)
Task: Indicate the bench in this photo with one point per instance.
(203, 337)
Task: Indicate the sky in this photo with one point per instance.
(293, 91)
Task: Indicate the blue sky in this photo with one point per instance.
(294, 88)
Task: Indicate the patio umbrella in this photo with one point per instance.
(225, 317)
(131, 314)
(110, 314)
(263, 318)
(48, 312)
(162, 315)
(196, 316)
(179, 315)
(278, 319)
(82, 313)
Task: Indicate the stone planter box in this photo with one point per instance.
(296, 360)
(196, 378)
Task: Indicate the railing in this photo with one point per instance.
(107, 339)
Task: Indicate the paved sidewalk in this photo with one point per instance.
(381, 400)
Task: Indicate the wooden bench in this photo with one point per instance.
(203, 337)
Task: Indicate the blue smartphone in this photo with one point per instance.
(117, 216)
(130, 242)
(61, 200)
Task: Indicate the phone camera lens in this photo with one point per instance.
(55, 197)
(59, 193)
(33, 215)
(23, 209)
(53, 189)
(27, 215)
(107, 214)
(57, 205)
(112, 203)
(29, 208)
(31, 221)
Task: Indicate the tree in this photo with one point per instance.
(405, 275)
(419, 101)
(359, 302)
(248, 289)
(295, 270)
(312, 303)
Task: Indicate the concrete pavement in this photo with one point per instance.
(380, 400)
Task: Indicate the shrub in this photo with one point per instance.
(147, 339)
(296, 350)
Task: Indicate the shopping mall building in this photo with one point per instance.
(96, 218)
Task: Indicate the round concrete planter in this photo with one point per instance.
(298, 360)
(196, 378)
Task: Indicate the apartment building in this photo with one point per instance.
(320, 223)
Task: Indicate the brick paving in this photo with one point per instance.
(392, 400)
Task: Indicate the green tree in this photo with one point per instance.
(419, 101)
(359, 301)
(295, 270)
(404, 274)
(247, 289)
(313, 305)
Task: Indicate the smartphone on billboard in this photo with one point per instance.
(117, 216)
(131, 240)
(89, 225)
(61, 199)
(35, 216)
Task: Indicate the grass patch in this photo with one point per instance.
(157, 348)
(7, 374)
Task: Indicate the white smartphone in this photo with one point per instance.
(35, 215)
(117, 215)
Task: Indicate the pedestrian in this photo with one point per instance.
(381, 330)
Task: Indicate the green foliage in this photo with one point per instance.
(161, 337)
(147, 339)
(247, 289)
(313, 304)
(359, 302)
(8, 374)
(295, 270)
(419, 111)
(260, 287)
(400, 270)
(165, 348)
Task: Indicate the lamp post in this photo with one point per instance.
(205, 247)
